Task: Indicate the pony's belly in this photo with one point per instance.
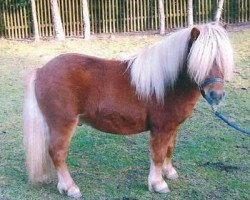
(115, 122)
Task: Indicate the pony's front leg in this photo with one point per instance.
(58, 149)
(158, 149)
(168, 169)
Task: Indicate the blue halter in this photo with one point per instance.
(209, 81)
(217, 114)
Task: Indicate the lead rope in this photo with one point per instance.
(220, 116)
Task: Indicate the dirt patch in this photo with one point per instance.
(221, 166)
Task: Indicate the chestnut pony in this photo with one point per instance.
(154, 90)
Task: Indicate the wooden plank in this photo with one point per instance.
(181, 13)
(137, 11)
(74, 13)
(134, 17)
(3, 34)
(166, 3)
(126, 28)
(16, 27)
(38, 17)
(81, 19)
(106, 17)
(25, 22)
(174, 14)
(19, 28)
(45, 18)
(248, 10)
(113, 15)
(145, 14)
(42, 18)
(62, 5)
(11, 21)
(131, 16)
(100, 19)
(199, 11)
(70, 19)
(1, 20)
(109, 9)
(177, 14)
(156, 15)
(152, 15)
(7, 14)
(170, 15)
(21, 21)
(185, 13)
(93, 20)
(8, 18)
(77, 18)
(117, 16)
(203, 11)
(66, 21)
(49, 18)
(207, 10)
(140, 10)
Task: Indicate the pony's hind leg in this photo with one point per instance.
(58, 148)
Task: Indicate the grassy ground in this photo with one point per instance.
(212, 160)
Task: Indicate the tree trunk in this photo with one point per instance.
(34, 20)
(86, 21)
(57, 22)
(219, 11)
(161, 17)
(190, 12)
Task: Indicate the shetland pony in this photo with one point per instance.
(154, 90)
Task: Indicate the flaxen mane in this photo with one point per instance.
(156, 68)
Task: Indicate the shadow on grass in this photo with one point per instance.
(221, 166)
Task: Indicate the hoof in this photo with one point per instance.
(73, 191)
(171, 174)
(161, 187)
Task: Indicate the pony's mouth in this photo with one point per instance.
(213, 98)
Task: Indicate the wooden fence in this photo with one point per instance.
(111, 16)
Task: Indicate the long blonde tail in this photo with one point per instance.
(36, 135)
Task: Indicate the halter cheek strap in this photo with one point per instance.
(209, 81)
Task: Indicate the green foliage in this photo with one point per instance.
(212, 159)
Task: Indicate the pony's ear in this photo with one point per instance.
(195, 33)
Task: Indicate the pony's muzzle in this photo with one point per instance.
(214, 97)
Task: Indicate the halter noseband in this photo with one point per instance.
(207, 82)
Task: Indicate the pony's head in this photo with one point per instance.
(204, 49)
(210, 61)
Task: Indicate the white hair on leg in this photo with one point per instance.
(168, 170)
(156, 182)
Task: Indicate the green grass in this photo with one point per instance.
(212, 160)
